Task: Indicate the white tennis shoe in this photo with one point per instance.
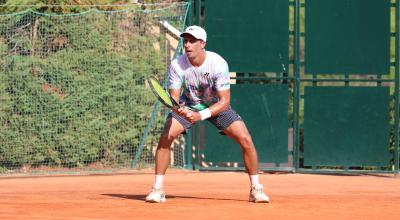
(257, 194)
(156, 195)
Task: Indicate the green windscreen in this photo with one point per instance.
(251, 35)
(264, 109)
(347, 36)
(346, 126)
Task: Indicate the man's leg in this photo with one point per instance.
(238, 131)
(171, 130)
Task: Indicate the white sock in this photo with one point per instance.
(159, 181)
(254, 180)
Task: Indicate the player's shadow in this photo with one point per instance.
(142, 197)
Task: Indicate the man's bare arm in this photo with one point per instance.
(222, 105)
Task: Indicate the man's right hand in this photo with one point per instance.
(189, 115)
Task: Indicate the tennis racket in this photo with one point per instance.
(161, 94)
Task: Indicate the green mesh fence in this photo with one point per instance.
(72, 88)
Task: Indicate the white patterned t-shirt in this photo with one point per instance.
(199, 84)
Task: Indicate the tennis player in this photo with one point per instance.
(203, 78)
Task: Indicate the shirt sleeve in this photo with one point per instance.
(174, 79)
(222, 77)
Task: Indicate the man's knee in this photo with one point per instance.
(245, 141)
(167, 138)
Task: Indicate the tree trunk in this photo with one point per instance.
(34, 35)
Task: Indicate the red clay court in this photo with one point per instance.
(200, 195)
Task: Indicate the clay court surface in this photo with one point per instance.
(200, 195)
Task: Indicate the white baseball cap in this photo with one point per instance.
(196, 31)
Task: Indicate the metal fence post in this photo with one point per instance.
(296, 104)
(396, 93)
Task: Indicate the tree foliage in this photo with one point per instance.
(60, 6)
(72, 87)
